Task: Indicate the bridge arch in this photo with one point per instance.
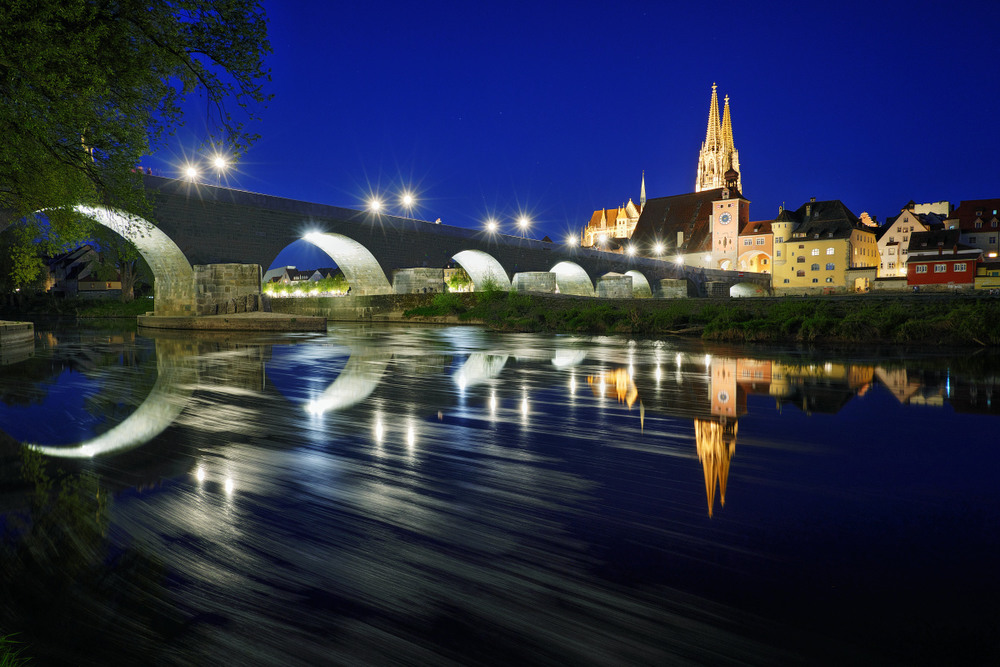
(173, 277)
(640, 286)
(757, 261)
(572, 279)
(483, 267)
(359, 265)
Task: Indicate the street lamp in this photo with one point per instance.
(191, 173)
(407, 200)
(658, 248)
(491, 226)
(570, 239)
(523, 223)
(630, 249)
(374, 205)
(221, 164)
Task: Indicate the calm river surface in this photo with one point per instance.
(418, 495)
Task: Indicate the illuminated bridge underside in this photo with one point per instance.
(483, 268)
(640, 286)
(360, 267)
(572, 279)
(172, 273)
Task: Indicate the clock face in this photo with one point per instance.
(725, 218)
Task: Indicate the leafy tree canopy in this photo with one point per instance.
(88, 87)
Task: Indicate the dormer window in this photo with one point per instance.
(979, 224)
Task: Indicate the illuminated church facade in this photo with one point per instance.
(704, 228)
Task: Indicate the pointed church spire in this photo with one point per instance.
(727, 129)
(712, 133)
(642, 192)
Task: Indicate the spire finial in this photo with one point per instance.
(712, 133)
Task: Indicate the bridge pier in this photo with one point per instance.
(223, 289)
(614, 287)
(418, 281)
(535, 281)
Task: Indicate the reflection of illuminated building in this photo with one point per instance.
(621, 380)
(716, 444)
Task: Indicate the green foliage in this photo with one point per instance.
(119, 259)
(88, 88)
(11, 652)
(459, 281)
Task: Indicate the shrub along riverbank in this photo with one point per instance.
(30, 308)
(901, 319)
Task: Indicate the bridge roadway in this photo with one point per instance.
(197, 224)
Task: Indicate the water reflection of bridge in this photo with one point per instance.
(709, 390)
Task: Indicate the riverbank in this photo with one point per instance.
(946, 320)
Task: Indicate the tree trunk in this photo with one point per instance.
(128, 275)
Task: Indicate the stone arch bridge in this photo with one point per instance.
(198, 226)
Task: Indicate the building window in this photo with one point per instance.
(904, 251)
(892, 240)
(801, 247)
(786, 280)
(993, 240)
(892, 251)
(815, 280)
(815, 251)
(778, 253)
(761, 240)
(959, 267)
(940, 268)
(921, 268)
(800, 273)
(829, 251)
(814, 267)
(892, 265)
(779, 239)
(763, 262)
(979, 224)
(829, 266)
(747, 241)
(800, 259)
(829, 279)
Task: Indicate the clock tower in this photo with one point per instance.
(729, 215)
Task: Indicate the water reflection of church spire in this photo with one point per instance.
(716, 445)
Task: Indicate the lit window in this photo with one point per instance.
(829, 279)
(829, 251)
(892, 251)
(800, 273)
(815, 251)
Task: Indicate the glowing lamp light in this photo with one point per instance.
(658, 248)
(191, 172)
(220, 162)
(491, 225)
(571, 239)
(523, 222)
(679, 259)
(630, 249)
(407, 199)
(375, 205)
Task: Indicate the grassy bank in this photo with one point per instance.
(30, 308)
(903, 319)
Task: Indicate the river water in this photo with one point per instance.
(448, 495)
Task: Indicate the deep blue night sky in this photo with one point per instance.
(555, 110)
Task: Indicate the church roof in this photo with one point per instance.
(690, 213)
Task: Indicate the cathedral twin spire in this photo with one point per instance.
(718, 153)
